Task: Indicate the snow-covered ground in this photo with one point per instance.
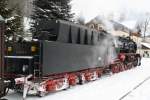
(122, 86)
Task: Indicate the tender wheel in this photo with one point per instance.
(81, 79)
(135, 63)
(139, 61)
(41, 94)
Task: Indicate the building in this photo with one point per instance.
(116, 29)
(145, 49)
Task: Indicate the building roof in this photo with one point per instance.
(119, 26)
(109, 23)
(129, 23)
(113, 24)
(146, 44)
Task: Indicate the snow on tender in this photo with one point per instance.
(109, 87)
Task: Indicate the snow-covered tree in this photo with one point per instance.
(50, 9)
(12, 20)
(4, 11)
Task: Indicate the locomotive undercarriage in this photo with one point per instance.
(31, 84)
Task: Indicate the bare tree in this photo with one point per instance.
(145, 25)
(138, 27)
(142, 26)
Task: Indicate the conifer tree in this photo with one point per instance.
(50, 9)
(13, 20)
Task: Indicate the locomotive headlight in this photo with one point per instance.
(33, 48)
(9, 49)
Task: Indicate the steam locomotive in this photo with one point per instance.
(63, 54)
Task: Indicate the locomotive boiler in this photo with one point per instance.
(63, 54)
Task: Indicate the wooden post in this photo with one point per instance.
(1, 47)
(2, 84)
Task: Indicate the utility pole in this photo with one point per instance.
(2, 84)
(1, 46)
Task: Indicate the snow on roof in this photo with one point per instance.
(146, 44)
(129, 23)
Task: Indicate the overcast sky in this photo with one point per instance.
(131, 9)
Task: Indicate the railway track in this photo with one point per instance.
(129, 92)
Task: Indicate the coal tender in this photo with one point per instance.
(76, 48)
(62, 47)
(62, 54)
